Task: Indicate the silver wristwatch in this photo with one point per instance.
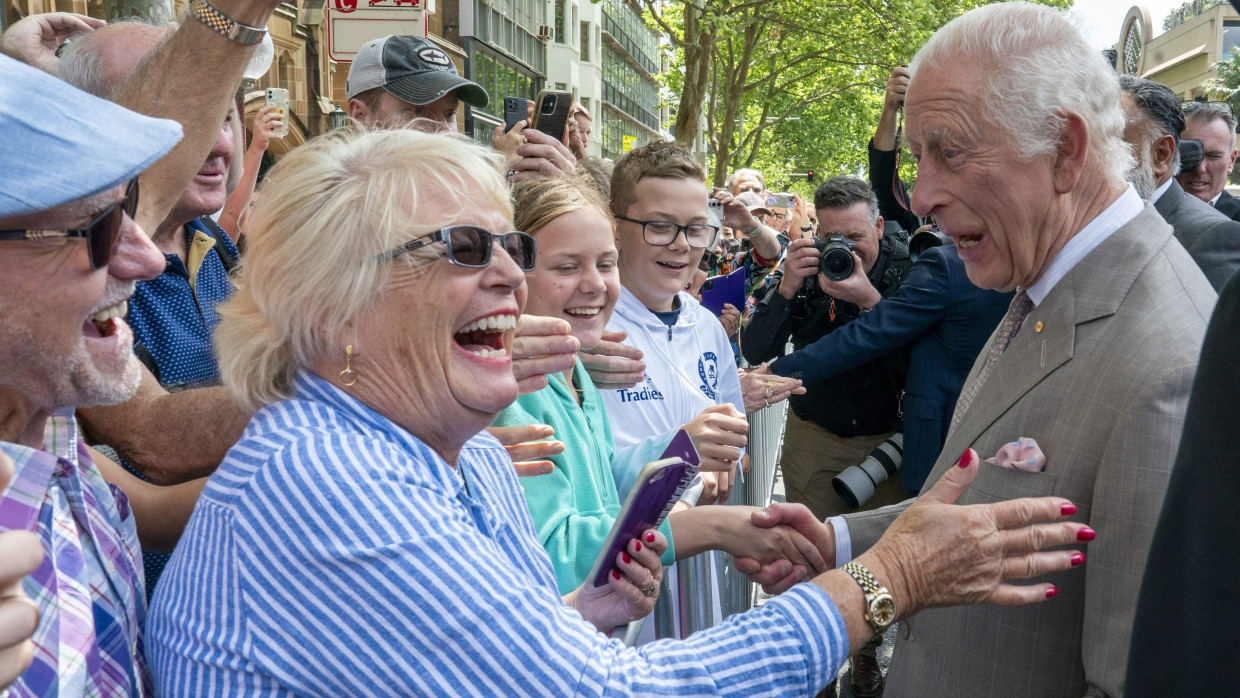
(880, 608)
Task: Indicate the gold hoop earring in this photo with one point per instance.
(348, 376)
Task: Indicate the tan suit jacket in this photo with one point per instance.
(1099, 375)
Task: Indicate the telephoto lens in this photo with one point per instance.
(856, 485)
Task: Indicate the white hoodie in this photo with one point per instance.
(689, 367)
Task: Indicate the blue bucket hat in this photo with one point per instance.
(62, 144)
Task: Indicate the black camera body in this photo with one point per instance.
(835, 259)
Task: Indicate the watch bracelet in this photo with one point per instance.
(230, 28)
(863, 577)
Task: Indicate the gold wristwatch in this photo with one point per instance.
(880, 608)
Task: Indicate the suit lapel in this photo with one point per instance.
(1093, 289)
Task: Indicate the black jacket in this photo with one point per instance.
(859, 402)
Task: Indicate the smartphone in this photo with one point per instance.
(278, 96)
(715, 208)
(551, 113)
(718, 290)
(515, 111)
(781, 200)
(658, 487)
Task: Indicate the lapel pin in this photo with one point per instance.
(1037, 327)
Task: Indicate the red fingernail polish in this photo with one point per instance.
(1068, 509)
(964, 459)
(1050, 593)
(1077, 559)
(649, 537)
(615, 575)
(1086, 534)
(625, 557)
(637, 546)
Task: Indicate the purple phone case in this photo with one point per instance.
(652, 497)
(718, 290)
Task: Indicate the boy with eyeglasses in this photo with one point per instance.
(663, 229)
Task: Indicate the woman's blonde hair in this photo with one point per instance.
(537, 202)
(314, 257)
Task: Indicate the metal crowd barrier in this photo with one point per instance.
(703, 576)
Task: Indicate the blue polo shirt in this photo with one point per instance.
(174, 315)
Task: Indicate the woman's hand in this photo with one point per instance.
(632, 586)
(541, 156)
(528, 447)
(730, 318)
(507, 142)
(719, 432)
(940, 554)
(541, 345)
(20, 554)
(268, 123)
(612, 364)
(761, 388)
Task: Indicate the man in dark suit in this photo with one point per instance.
(945, 321)
(1214, 125)
(1193, 576)
(1153, 123)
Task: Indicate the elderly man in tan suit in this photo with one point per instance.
(1017, 128)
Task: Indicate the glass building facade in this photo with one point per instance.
(630, 109)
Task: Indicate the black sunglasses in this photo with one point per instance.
(470, 246)
(102, 233)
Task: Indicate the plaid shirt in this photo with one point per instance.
(89, 587)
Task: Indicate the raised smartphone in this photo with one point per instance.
(657, 489)
(515, 111)
(551, 113)
(780, 200)
(727, 288)
(278, 96)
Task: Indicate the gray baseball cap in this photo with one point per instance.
(62, 144)
(412, 69)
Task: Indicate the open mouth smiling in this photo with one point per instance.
(485, 337)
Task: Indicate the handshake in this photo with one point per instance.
(935, 552)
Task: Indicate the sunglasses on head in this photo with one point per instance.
(470, 246)
(102, 233)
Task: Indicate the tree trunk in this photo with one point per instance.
(697, 76)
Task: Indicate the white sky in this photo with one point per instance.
(1102, 18)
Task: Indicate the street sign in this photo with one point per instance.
(351, 24)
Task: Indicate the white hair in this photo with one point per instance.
(1039, 66)
(315, 255)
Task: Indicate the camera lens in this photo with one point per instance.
(837, 264)
(548, 105)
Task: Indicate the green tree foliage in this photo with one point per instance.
(789, 85)
(1226, 84)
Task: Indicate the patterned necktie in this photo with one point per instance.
(1016, 314)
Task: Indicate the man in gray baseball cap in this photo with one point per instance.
(403, 79)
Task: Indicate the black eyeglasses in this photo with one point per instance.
(470, 246)
(102, 233)
(663, 233)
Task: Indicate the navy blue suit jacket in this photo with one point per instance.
(946, 320)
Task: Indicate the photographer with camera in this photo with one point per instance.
(822, 285)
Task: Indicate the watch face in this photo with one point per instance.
(882, 610)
